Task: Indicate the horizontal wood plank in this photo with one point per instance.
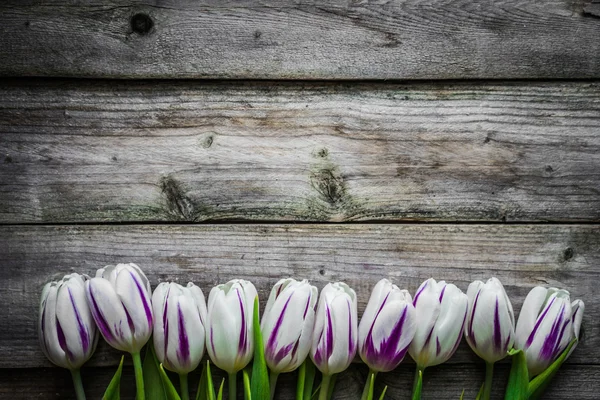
(83, 151)
(577, 382)
(522, 256)
(291, 39)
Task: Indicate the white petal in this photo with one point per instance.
(137, 303)
(532, 306)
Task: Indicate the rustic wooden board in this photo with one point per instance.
(291, 39)
(522, 256)
(444, 382)
(82, 151)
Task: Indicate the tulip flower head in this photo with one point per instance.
(547, 323)
(489, 328)
(334, 341)
(387, 327)
(287, 324)
(119, 298)
(229, 326)
(68, 335)
(180, 315)
(442, 310)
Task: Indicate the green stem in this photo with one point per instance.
(272, 383)
(183, 385)
(418, 383)
(76, 375)
(489, 375)
(301, 380)
(232, 385)
(139, 376)
(371, 376)
(324, 391)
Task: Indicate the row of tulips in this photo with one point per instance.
(119, 304)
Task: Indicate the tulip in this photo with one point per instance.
(229, 327)
(334, 341)
(548, 322)
(442, 310)
(119, 298)
(68, 335)
(386, 329)
(489, 328)
(179, 328)
(287, 326)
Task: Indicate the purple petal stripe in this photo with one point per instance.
(552, 340)
(143, 296)
(183, 353)
(442, 293)
(470, 332)
(497, 334)
(272, 341)
(421, 289)
(243, 341)
(83, 332)
(62, 341)
(99, 318)
(538, 323)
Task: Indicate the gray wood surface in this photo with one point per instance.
(83, 151)
(291, 39)
(577, 382)
(522, 256)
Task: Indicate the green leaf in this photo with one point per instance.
(518, 380)
(220, 395)
(462, 395)
(417, 384)
(153, 385)
(480, 394)
(169, 388)
(540, 382)
(247, 391)
(206, 390)
(371, 386)
(309, 378)
(113, 391)
(260, 375)
(383, 393)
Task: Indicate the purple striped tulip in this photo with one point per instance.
(229, 326)
(442, 310)
(547, 323)
(387, 327)
(287, 324)
(180, 315)
(334, 341)
(489, 328)
(68, 335)
(119, 298)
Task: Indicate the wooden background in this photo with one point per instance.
(353, 140)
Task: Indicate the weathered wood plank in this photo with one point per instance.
(580, 382)
(81, 151)
(521, 256)
(291, 39)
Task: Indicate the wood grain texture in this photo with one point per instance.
(300, 39)
(576, 382)
(83, 151)
(522, 256)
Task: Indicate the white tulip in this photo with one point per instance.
(489, 328)
(287, 324)
(180, 315)
(547, 323)
(441, 310)
(387, 327)
(68, 335)
(119, 298)
(229, 326)
(334, 339)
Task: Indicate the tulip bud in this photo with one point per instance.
(334, 340)
(180, 315)
(490, 321)
(442, 310)
(68, 335)
(287, 324)
(229, 326)
(547, 323)
(387, 327)
(119, 298)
